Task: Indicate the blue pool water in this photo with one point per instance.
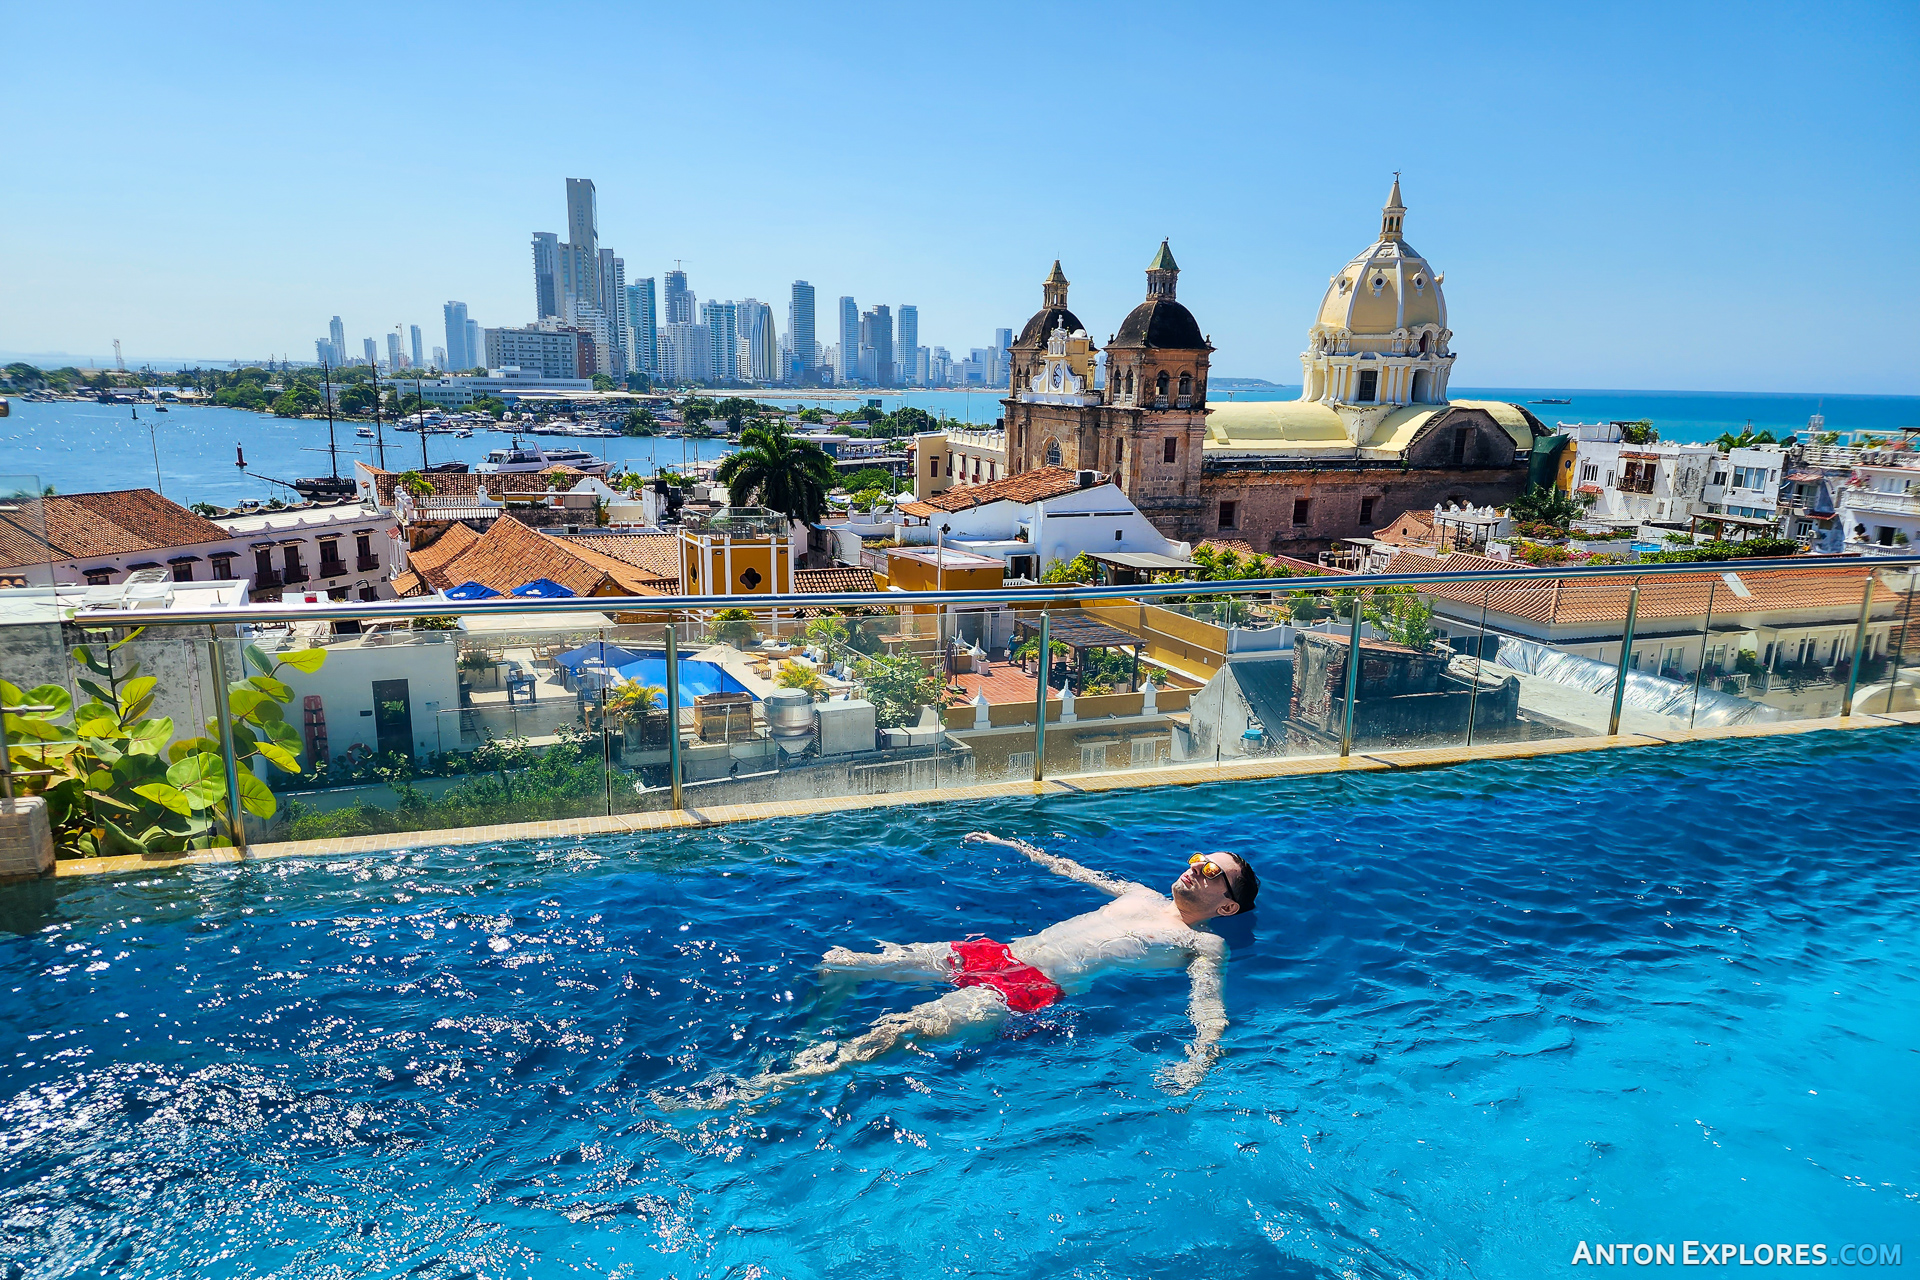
(697, 678)
(1482, 1014)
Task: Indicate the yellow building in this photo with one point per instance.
(737, 555)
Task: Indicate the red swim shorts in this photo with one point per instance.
(982, 962)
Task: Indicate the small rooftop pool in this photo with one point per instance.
(1481, 1015)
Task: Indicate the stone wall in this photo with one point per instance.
(1265, 501)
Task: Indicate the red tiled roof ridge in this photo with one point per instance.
(1025, 486)
(112, 522)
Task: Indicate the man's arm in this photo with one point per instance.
(1209, 1013)
(1058, 865)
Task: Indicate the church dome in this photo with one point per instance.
(1161, 321)
(1053, 313)
(1386, 287)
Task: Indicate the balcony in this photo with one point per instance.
(266, 580)
(295, 573)
(333, 568)
(1900, 504)
(367, 563)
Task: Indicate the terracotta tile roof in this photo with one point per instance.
(656, 553)
(408, 583)
(511, 555)
(632, 579)
(456, 541)
(840, 578)
(1773, 586)
(1028, 486)
(1413, 527)
(446, 484)
(921, 509)
(520, 483)
(83, 526)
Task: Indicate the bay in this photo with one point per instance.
(81, 447)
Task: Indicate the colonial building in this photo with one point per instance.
(1372, 435)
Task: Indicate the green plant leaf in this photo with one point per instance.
(34, 727)
(255, 798)
(275, 689)
(10, 695)
(100, 692)
(117, 843)
(150, 736)
(50, 695)
(280, 758)
(131, 691)
(285, 734)
(306, 661)
(242, 699)
(267, 712)
(98, 727)
(197, 767)
(138, 710)
(167, 796)
(258, 661)
(125, 640)
(83, 654)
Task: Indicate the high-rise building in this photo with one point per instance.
(847, 366)
(758, 342)
(613, 294)
(476, 350)
(722, 323)
(323, 352)
(876, 345)
(800, 317)
(393, 352)
(457, 354)
(1002, 356)
(337, 332)
(678, 299)
(546, 275)
(686, 353)
(440, 359)
(640, 319)
(419, 352)
(580, 255)
(554, 351)
(909, 345)
(373, 351)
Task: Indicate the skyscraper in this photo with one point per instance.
(419, 352)
(458, 356)
(758, 342)
(723, 330)
(373, 351)
(847, 367)
(580, 255)
(876, 345)
(613, 293)
(393, 352)
(476, 352)
(640, 318)
(678, 298)
(546, 274)
(909, 344)
(338, 333)
(800, 318)
(686, 353)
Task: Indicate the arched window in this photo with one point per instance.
(1186, 384)
(1119, 449)
(1129, 382)
(1160, 384)
(1053, 453)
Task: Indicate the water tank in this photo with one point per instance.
(789, 715)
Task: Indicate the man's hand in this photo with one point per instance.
(1180, 1077)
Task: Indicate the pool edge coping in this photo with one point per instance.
(694, 818)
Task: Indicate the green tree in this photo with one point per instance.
(493, 406)
(295, 401)
(869, 478)
(1641, 432)
(898, 686)
(601, 382)
(734, 627)
(772, 469)
(1078, 569)
(415, 483)
(1545, 504)
(640, 422)
(1402, 615)
(812, 415)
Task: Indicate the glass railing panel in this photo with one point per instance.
(440, 723)
(1890, 666)
(1785, 637)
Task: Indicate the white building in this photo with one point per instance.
(957, 456)
(1745, 482)
(1031, 520)
(1634, 484)
(503, 383)
(1880, 504)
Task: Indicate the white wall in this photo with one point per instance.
(344, 683)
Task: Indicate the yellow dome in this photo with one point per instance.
(1386, 287)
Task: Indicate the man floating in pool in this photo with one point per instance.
(1139, 929)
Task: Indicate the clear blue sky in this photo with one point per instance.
(1658, 196)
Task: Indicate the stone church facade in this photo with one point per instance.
(1371, 437)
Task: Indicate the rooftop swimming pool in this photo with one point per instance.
(1481, 1014)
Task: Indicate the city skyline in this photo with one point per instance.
(1691, 215)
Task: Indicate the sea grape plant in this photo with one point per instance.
(115, 779)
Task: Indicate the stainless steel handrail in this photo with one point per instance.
(1032, 597)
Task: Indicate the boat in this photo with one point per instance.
(523, 457)
(1549, 400)
(464, 433)
(365, 433)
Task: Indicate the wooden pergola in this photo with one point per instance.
(1082, 634)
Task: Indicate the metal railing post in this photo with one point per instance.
(223, 716)
(1859, 635)
(1700, 668)
(1479, 660)
(1353, 680)
(673, 708)
(1626, 656)
(1040, 705)
(1906, 622)
(606, 733)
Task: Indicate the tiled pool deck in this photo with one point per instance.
(1175, 776)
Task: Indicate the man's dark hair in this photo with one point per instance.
(1245, 883)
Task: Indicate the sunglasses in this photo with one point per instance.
(1211, 870)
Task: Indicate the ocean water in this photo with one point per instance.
(1481, 1015)
(79, 447)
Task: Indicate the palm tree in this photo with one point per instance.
(416, 484)
(776, 471)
